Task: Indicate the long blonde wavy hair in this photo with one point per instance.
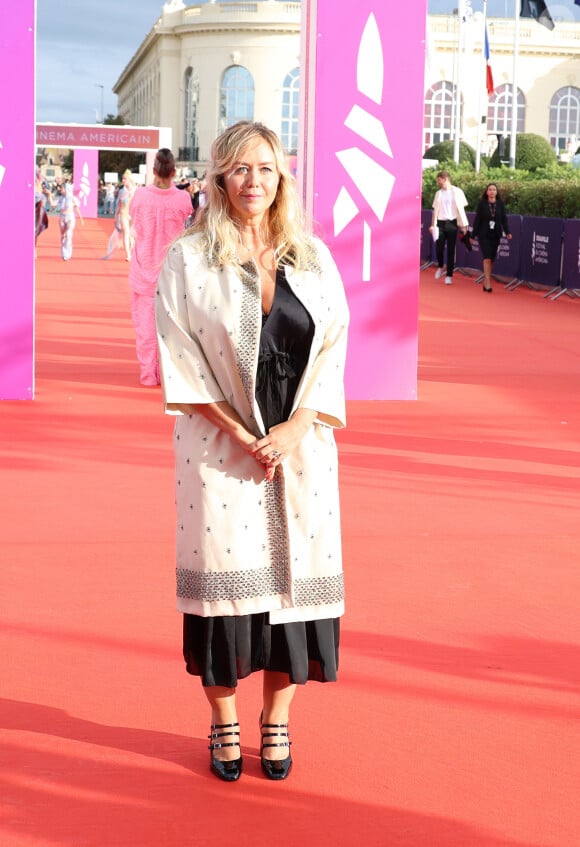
(284, 224)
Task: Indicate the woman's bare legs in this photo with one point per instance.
(487, 269)
(223, 711)
(278, 693)
(127, 238)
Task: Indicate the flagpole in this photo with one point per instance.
(514, 130)
(482, 85)
(460, 16)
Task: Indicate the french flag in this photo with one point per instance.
(488, 73)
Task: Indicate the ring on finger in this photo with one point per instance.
(275, 454)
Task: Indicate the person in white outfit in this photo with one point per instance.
(448, 216)
(69, 206)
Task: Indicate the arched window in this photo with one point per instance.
(236, 97)
(191, 99)
(499, 111)
(439, 115)
(290, 108)
(565, 118)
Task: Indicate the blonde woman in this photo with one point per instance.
(123, 217)
(252, 327)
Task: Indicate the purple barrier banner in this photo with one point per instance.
(571, 257)
(362, 169)
(465, 258)
(86, 181)
(427, 243)
(17, 161)
(507, 263)
(541, 250)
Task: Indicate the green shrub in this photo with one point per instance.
(444, 151)
(549, 191)
(532, 152)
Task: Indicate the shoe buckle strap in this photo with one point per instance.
(223, 734)
(219, 744)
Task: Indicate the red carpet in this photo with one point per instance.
(455, 722)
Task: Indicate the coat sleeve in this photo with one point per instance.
(435, 214)
(186, 376)
(324, 390)
(461, 203)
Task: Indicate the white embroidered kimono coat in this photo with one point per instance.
(246, 545)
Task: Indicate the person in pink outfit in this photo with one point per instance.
(158, 215)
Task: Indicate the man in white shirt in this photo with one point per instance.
(448, 215)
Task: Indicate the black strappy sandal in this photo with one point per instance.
(228, 771)
(275, 768)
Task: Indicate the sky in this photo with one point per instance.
(82, 45)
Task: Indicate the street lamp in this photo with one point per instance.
(102, 87)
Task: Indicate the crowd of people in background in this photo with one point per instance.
(114, 199)
(146, 220)
(50, 193)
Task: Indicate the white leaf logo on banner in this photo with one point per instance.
(85, 187)
(371, 178)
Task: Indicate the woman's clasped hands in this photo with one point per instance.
(273, 448)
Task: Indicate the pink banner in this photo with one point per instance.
(86, 181)
(17, 152)
(365, 126)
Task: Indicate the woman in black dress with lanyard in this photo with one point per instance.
(489, 225)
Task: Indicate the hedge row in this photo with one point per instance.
(550, 192)
(540, 185)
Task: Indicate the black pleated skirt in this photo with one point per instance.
(223, 650)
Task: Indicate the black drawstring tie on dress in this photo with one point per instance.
(276, 366)
(275, 369)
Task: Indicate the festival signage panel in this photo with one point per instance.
(17, 157)
(541, 250)
(507, 263)
(99, 137)
(362, 173)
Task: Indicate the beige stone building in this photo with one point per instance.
(204, 66)
(547, 76)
